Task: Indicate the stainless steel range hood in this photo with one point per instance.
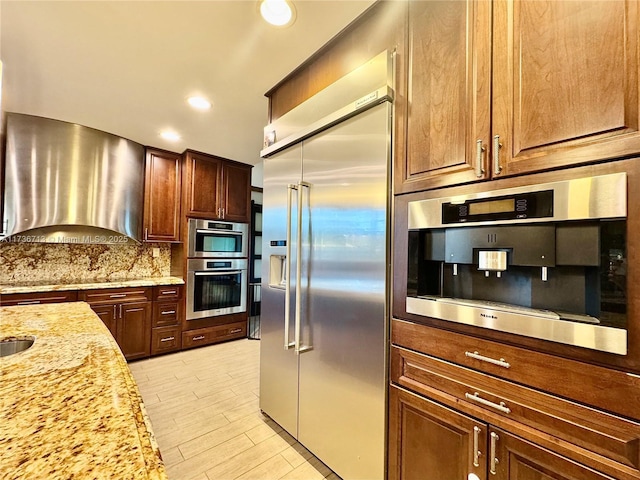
(65, 183)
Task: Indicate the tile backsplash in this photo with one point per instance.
(75, 263)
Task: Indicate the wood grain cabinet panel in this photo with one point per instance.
(565, 82)
(428, 440)
(584, 434)
(36, 298)
(511, 87)
(162, 191)
(127, 314)
(217, 188)
(448, 92)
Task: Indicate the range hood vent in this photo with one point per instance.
(65, 183)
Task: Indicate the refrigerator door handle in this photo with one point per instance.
(287, 267)
(298, 330)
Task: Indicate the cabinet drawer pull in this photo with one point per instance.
(494, 460)
(235, 330)
(502, 407)
(476, 451)
(199, 337)
(168, 339)
(482, 358)
(168, 312)
(118, 295)
(29, 302)
(168, 292)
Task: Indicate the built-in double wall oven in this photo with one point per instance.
(216, 268)
(545, 261)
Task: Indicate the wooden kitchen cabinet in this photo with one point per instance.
(564, 83)
(433, 395)
(162, 191)
(37, 298)
(217, 188)
(448, 92)
(428, 440)
(166, 323)
(127, 314)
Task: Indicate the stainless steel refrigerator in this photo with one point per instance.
(325, 276)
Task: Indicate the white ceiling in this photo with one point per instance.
(127, 67)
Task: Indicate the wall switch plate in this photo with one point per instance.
(155, 252)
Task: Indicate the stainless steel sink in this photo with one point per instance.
(11, 345)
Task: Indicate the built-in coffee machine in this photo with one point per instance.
(546, 261)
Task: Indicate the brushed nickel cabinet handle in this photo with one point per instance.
(493, 361)
(479, 150)
(497, 168)
(29, 302)
(115, 315)
(146, 233)
(120, 310)
(494, 460)
(168, 312)
(501, 407)
(168, 292)
(199, 337)
(476, 451)
(167, 339)
(118, 295)
(235, 330)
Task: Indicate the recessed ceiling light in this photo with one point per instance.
(200, 103)
(170, 135)
(277, 12)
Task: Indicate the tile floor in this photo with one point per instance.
(203, 405)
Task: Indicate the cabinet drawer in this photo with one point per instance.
(165, 340)
(115, 295)
(601, 387)
(165, 314)
(167, 292)
(37, 298)
(501, 403)
(219, 333)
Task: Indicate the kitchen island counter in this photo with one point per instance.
(69, 407)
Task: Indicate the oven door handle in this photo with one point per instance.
(217, 272)
(229, 232)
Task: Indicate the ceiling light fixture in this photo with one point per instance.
(170, 135)
(277, 12)
(200, 103)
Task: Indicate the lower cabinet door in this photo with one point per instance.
(108, 315)
(134, 329)
(430, 441)
(512, 458)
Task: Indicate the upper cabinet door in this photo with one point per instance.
(565, 83)
(448, 94)
(236, 192)
(203, 182)
(162, 196)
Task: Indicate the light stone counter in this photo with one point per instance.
(69, 407)
(33, 287)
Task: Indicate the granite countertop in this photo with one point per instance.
(69, 407)
(33, 287)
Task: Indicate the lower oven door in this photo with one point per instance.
(216, 288)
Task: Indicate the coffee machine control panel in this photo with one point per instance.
(528, 205)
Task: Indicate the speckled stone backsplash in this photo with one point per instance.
(76, 263)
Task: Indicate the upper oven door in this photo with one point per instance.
(213, 239)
